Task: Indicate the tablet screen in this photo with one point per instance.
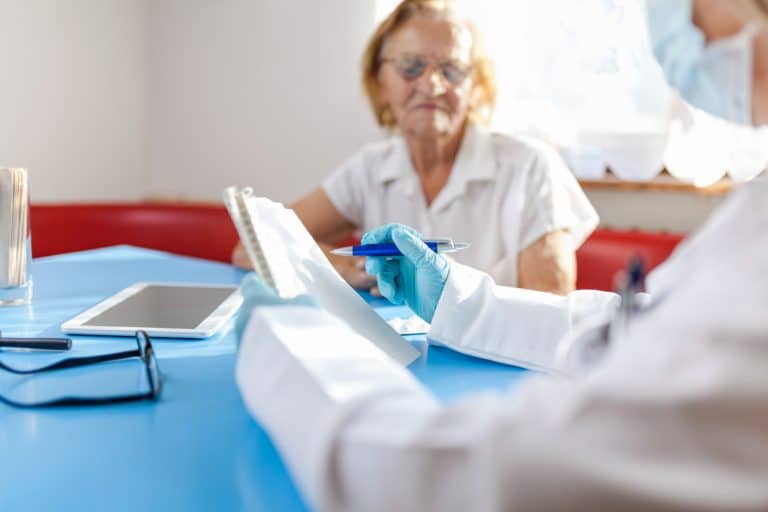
(164, 307)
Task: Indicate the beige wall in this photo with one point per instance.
(73, 97)
(261, 93)
(125, 99)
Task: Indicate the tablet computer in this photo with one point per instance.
(168, 310)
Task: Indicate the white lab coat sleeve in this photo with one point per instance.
(651, 430)
(510, 325)
(640, 436)
(302, 373)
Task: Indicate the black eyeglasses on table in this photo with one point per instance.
(144, 351)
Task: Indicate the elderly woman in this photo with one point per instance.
(442, 172)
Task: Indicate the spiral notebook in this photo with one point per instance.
(235, 201)
(287, 258)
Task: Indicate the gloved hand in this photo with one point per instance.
(417, 278)
(257, 293)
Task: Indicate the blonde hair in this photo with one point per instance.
(483, 98)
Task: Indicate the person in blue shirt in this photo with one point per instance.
(715, 53)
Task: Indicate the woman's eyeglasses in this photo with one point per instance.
(411, 67)
(144, 351)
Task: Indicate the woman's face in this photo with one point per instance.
(425, 77)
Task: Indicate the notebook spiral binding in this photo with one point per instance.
(235, 201)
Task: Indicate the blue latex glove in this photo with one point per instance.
(417, 278)
(257, 293)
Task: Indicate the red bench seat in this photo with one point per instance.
(607, 251)
(202, 231)
(205, 231)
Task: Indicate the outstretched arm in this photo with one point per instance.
(361, 434)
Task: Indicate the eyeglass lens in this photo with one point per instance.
(411, 67)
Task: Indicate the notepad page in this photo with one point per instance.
(278, 246)
(300, 266)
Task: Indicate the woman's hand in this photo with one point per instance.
(257, 293)
(240, 257)
(352, 269)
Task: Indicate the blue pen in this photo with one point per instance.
(440, 245)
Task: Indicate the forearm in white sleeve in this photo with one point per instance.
(636, 438)
(654, 429)
(510, 325)
(302, 373)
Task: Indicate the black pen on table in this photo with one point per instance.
(35, 343)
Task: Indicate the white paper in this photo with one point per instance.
(299, 266)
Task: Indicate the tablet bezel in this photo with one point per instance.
(204, 329)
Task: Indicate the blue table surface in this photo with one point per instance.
(194, 449)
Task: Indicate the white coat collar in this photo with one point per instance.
(475, 162)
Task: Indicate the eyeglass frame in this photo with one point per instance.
(146, 354)
(465, 68)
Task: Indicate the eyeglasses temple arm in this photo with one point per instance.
(74, 362)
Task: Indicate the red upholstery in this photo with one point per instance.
(205, 231)
(607, 251)
(193, 230)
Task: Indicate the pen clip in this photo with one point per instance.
(630, 282)
(636, 273)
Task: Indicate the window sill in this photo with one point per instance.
(664, 182)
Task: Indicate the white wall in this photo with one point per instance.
(127, 99)
(263, 93)
(73, 97)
